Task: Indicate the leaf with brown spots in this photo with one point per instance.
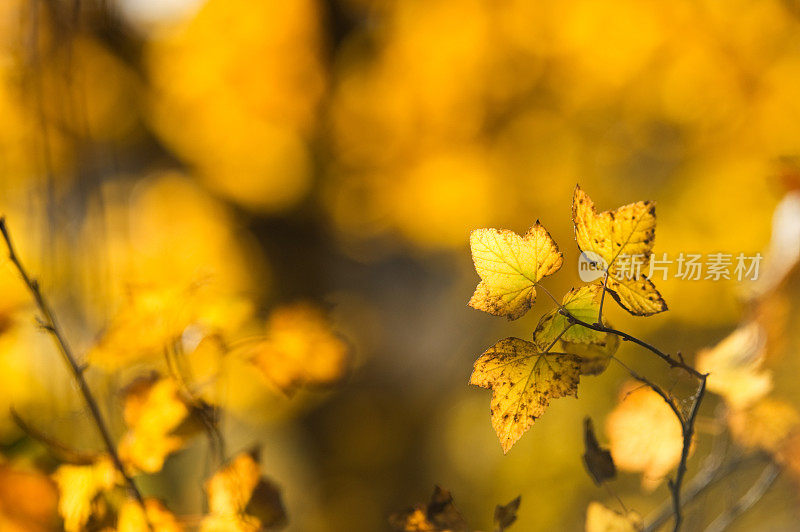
(509, 266)
(627, 231)
(523, 380)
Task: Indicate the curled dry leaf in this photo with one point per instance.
(153, 411)
(241, 500)
(626, 231)
(734, 367)
(644, 434)
(599, 518)
(509, 266)
(523, 380)
(78, 486)
(506, 514)
(439, 515)
(300, 349)
(598, 461)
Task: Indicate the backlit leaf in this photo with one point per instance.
(734, 367)
(523, 381)
(153, 411)
(644, 434)
(78, 486)
(300, 349)
(626, 231)
(509, 266)
(584, 304)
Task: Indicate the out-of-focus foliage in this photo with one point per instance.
(643, 434)
(179, 174)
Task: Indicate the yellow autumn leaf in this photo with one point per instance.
(28, 500)
(153, 410)
(734, 367)
(629, 232)
(240, 500)
(765, 425)
(644, 434)
(584, 304)
(509, 266)
(131, 518)
(523, 380)
(78, 486)
(594, 357)
(599, 518)
(300, 349)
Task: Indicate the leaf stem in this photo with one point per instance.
(50, 323)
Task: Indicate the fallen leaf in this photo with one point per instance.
(599, 518)
(523, 381)
(509, 266)
(598, 461)
(627, 231)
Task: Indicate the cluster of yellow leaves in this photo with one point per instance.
(241, 500)
(153, 411)
(299, 349)
(644, 434)
(524, 376)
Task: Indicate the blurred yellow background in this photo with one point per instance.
(198, 164)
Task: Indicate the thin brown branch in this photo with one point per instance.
(673, 362)
(52, 326)
(687, 428)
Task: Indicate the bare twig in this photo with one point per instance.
(51, 325)
(687, 428)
